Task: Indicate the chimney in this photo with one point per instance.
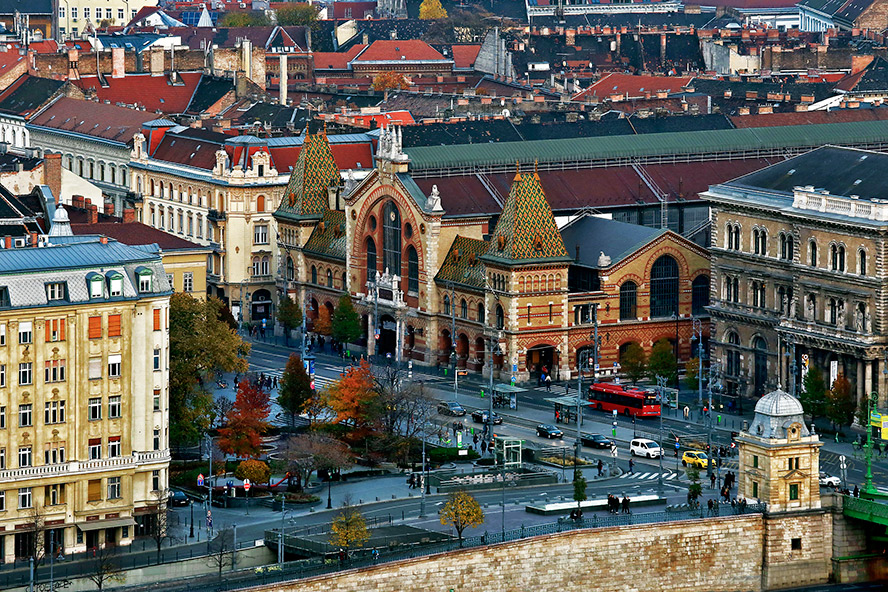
(33, 239)
(283, 80)
(129, 215)
(52, 174)
(93, 214)
(104, 240)
(73, 59)
(109, 209)
(8, 242)
(118, 64)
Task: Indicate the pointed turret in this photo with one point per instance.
(526, 231)
(306, 195)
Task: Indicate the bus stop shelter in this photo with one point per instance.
(505, 396)
(565, 408)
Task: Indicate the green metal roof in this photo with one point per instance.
(609, 147)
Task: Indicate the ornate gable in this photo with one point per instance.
(315, 171)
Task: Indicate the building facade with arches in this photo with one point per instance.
(796, 285)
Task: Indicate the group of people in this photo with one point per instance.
(617, 506)
(545, 379)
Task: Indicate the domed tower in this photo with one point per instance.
(779, 456)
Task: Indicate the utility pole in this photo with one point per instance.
(661, 382)
(281, 537)
(871, 405)
(210, 487)
(697, 334)
(453, 340)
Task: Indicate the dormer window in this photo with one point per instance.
(55, 291)
(96, 287)
(144, 276)
(115, 283)
(4, 297)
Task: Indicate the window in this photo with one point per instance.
(758, 294)
(155, 480)
(628, 301)
(760, 241)
(114, 325)
(95, 448)
(188, 281)
(54, 412)
(834, 311)
(664, 287)
(61, 12)
(95, 368)
(463, 309)
(329, 278)
(755, 461)
(446, 304)
(54, 371)
(3, 417)
(114, 407)
(55, 330)
(25, 332)
(732, 289)
(787, 246)
(700, 295)
(314, 274)
(94, 490)
(157, 358)
(732, 234)
(796, 544)
(291, 270)
(480, 312)
(3, 334)
(54, 453)
(144, 279)
(4, 297)
(412, 270)
(116, 284)
(371, 259)
(96, 289)
(114, 363)
(157, 399)
(260, 234)
(156, 439)
(837, 257)
(113, 487)
(861, 262)
(113, 446)
(120, 16)
(54, 494)
(2, 375)
(95, 408)
(793, 491)
(25, 373)
(86, 12)
(812, 253)
(94, 330)
(733, 361)
(25, 499)
(755, 489)
(74, 16)
(500, 317)
(391, 238)
(157, 319)
(2, 458)
(25, 459)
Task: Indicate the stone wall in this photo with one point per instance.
(797, 549)
(716, 554)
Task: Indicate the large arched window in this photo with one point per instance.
(291, 270)
(314, 274)
(371, 260)
(861, 262)
(628, 294)
(480, 312)
(446, 304)
(837, 256)
(664, 287)
(700, 295)
(733, 355)
(391, 238)
(500, 317)
(412, 270)
(463, 309)
(329, 278)
(812, 253)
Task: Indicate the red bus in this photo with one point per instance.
(628, 400)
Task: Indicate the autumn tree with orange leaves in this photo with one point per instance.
(246, 422)
(389, 80)
(354, 397)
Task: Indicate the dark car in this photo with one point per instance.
(451, 408)
(549, 431)
(178, 498)
(481, 417)
(594, 441)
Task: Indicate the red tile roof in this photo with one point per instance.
(109, 122)
(195, 148)
(399, 49)
(155, 93)
(464, 56)
(334, 60)
(633, 86)
(352, 9)
(806, 117)
(9, 58)
(135, 233)
(45, 46)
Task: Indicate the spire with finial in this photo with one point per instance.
(517, 170)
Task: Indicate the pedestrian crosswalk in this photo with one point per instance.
(649, 476)
(320, 381)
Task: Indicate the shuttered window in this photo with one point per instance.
(157, 319)
(114, 325)
(95, 327)
(94, 490)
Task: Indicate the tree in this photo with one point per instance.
(813, 395)
(246, 422)
(323, 325)
(354, 397)
(244, 19)
(460, 511)
(295, 388)
(349, 529)
(431, 10)
(221, 408)
(290, 316)
(346, 324)
(579, 489)
(863, 410)
(221, 550)
(103, 568)
(36, 542)
(201, 344)
(695, 489)
(306, 453)
(160, 519)
(840, 403)
(662, 361)
(389, 81)
(633, 362)
(692, 369)
(254, 470)
(298, 15)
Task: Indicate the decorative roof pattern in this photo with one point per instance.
(463, 265)
(526, 231)
(315, 171)
(328, 237)
(775, 413)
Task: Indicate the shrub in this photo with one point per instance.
(442, 455)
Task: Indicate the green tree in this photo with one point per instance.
(633, 363)
(295, 389)
(662, 361)
(201, 344)
(349, 529)
(290, 316)
(863, 413)
(695, 489)
(346, 323)
(460, 511)
(431, 10)
(245, 19)
(813, 395)
(298, 15)
(254, 470)
(579, 489)
(840, 403)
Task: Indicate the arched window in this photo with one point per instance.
(371, 259)
(314, 274)
(265, 263)
(256, 268)
(758, 294)
(861, 262)
(463, 309)
(391, 238)
(628, 301)
(446, 304)
(834, 257)
(291, 270)
(412, 270)
(260, 203)
(329, 278)
(833, 311)
(664, 287)
(756, 235)
(812, 253)
(700, 295)
(480, 312)
(500, 317)
(786, 247)
(733, 362)
(344, 281)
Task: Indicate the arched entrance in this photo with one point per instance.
(388, 338)
(445, 346)
(260, 305)
(761, 366)
(541, 357)
(462, 350)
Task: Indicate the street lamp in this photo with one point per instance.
(493, 349)
(697, 334)
(675, 316)
(661, 383)
(596, 343)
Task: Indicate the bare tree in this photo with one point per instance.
(36, 543)
(221, 550)
(406, 403)
(103, 568)
(160, 518)
(306, 453)
(221, 407)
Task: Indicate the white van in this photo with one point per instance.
(644, 447)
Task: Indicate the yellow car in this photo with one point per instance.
(695, 458)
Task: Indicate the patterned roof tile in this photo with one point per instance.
(328, 237)
(462, 264)
(315, 171)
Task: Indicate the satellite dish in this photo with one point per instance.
(507, 113)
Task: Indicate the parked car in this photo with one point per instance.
(481, 417)
(178, 498)
(695, 458)
(549, 431)
(828, 480)
(451, 408)
(644, 447)
(594, 441)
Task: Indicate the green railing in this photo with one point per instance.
(864, 509)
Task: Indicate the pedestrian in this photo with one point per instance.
(600, 467)
(626, 504)
(712, 481)
(557, 416)
(548, 383)
(483, 446)
(856, 491)
(710, 505)
(375, 555)
(631, 466)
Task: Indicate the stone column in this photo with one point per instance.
(883, 384)
(861, 381)
(399, 339)
(371, 333)
(870, 368)
(9, 546)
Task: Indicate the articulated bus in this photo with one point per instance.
(628, 400)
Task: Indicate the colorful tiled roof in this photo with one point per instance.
(526, 231)
(315, 171)
(463, 264)
(328, 237)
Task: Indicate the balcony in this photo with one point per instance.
(88, 466)
(216, 216)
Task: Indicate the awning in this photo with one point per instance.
(109, 523)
